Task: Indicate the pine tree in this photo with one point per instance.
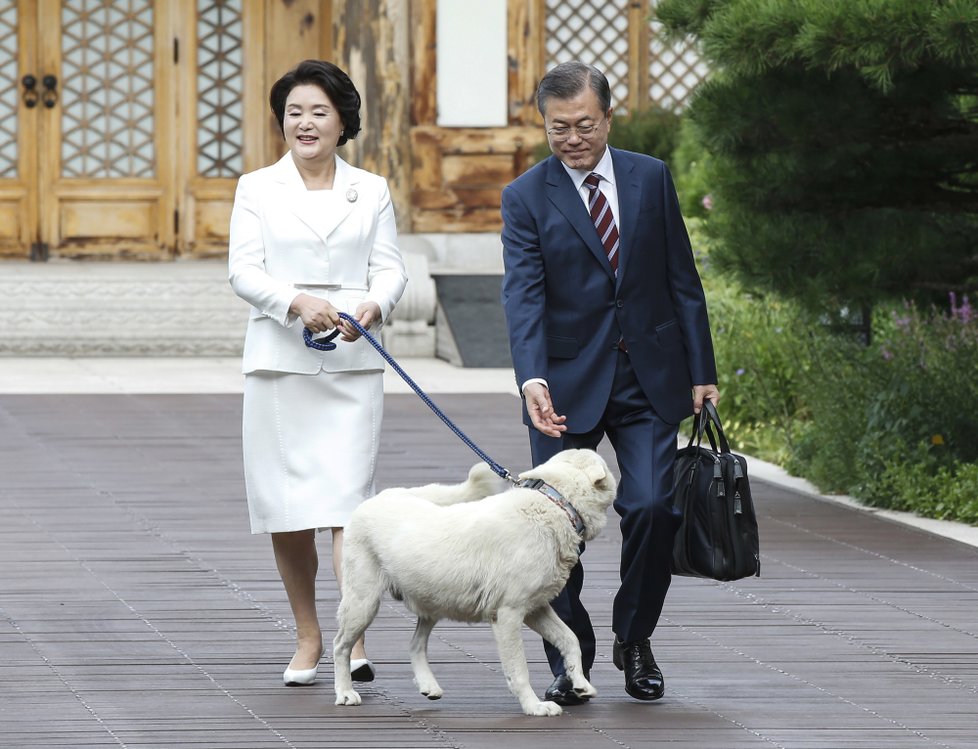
(843, 137)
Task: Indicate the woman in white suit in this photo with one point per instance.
(312, 236)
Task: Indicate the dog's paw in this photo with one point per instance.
(543, 709)
(585, 690)
(347, 697)
(429, 688)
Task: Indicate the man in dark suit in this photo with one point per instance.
(609, 335)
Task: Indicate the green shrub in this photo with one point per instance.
(835, 396)
(928, 361)
(946, 493)
(842, 137)
(690, 166)
(892, 423)
(759, 361)
(652, 131)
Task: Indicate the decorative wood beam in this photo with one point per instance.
(424, 47)
(527, 59)
(639, 13)
(372, 44)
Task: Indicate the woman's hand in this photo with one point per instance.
(367, 313)
(316, 314)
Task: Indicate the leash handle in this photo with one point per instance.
(329, 346)
(321, 344)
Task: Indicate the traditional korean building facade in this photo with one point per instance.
(124, 124)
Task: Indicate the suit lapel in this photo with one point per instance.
(561, 192)
(345, 183)
(629, 201)
(320, 222)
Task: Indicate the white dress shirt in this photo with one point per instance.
(606, 170)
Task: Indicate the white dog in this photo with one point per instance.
(499, 558)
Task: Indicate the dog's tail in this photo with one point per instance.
(481, 482)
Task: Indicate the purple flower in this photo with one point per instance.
(740, 371)
(886, 354)
(965, 312)
(708, 201)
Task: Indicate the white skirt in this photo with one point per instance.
(310, 447)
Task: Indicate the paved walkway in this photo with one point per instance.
(136, 610)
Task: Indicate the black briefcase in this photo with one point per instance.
(717, 538)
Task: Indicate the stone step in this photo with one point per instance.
(470, 323)
(180, 308)
(65, 308)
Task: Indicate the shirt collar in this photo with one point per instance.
(604, 167)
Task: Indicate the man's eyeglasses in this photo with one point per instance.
(560, 134)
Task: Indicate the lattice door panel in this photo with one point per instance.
(108, 159)
(9, 89)
(619, 37)
(108, 99)
(220, 88)
(592, 32)
(674, 69)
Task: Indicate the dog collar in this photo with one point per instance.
(558, 499)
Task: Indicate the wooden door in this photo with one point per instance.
(212, 39)
(86, 165)
(124, 124)
(106, 150)
(19, 109)
(228, 53)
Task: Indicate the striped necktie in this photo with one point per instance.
(604, 220)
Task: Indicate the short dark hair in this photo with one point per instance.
(334, 83)
(569, 79)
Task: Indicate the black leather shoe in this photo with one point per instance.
(643, 679)
(562, 692)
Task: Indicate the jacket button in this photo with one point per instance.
(619, 304)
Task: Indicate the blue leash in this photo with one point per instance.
(326, 344)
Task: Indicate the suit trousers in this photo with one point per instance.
(645, 448)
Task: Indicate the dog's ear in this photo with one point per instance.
(595, 471)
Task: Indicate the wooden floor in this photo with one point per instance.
(136, 610)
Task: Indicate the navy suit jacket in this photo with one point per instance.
(565, 309)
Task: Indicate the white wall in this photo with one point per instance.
(471, 63)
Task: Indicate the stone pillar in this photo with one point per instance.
(372, 43)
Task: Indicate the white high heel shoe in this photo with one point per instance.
(361, 669)
(300, 677)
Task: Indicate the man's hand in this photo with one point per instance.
(541, 410)
(704, 392)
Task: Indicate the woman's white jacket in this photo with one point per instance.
(340, 245)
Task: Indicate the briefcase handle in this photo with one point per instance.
(706, 421)
(714, 417)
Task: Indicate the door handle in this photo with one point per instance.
(30, 91)
(50, 95)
